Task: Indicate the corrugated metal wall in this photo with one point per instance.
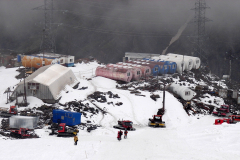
(42, 93)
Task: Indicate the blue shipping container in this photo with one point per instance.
(70, 118)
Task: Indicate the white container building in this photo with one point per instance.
(182, 91)
(196, 60)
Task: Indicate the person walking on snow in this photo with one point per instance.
(125, 133)
(119, 137)
(75, 139)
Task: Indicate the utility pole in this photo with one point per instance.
(199, 21)
(163, 97)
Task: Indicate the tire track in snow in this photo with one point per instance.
(133, 113)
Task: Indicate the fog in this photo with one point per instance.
(139, 19)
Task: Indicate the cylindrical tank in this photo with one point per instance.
(180, 64)
(146, 70)
(172, 66)
(121, 74)
(35, 62)
(154, 67)
(137, 73)
(163, 67)
(196, 60)
(188, 62)
(182, 91)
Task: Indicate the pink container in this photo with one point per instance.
(146, 71)
(121, 74)
(137, 73)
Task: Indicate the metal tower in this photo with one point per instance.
(199, 21)
(48, 41)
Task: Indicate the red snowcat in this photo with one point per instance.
(124, 124)
(222, 111)
(20, 133)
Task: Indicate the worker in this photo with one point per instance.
(119, 137)
(125, 133)
(75, 139)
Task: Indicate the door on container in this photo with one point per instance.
(70, 118)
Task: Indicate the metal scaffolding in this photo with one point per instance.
(199, 21)
(48, 40)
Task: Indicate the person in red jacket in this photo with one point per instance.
(119, 137)
(125, 133)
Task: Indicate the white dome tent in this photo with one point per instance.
(196, 60)
(183, 91)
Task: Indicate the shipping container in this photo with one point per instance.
(154, 67)
(136, 72)
(62, 116)
(182, 91)
(172, 66)
(146, 71)
(180, 65)
(23, 122)
(121, 74)
(196, 61)
(163, 67)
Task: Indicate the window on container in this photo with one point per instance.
(190, 63)
(71, 60)
(156, 69)
(61, 61)
(62, 117)
(128, 74)
(197, 61)
(187, 93)
(165, 66)
(138, 72)
(174, 66)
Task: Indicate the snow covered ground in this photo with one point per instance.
(185, 137)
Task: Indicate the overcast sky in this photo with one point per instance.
(18, 16)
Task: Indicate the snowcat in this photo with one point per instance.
(221, 121)
(20, 133)
(63, 131)
(235, 118)
(156, 121)
(4, 112)
(124, 124)
(222, 111)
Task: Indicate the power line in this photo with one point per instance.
(116, 32)
(98, 6)
(112, 18)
